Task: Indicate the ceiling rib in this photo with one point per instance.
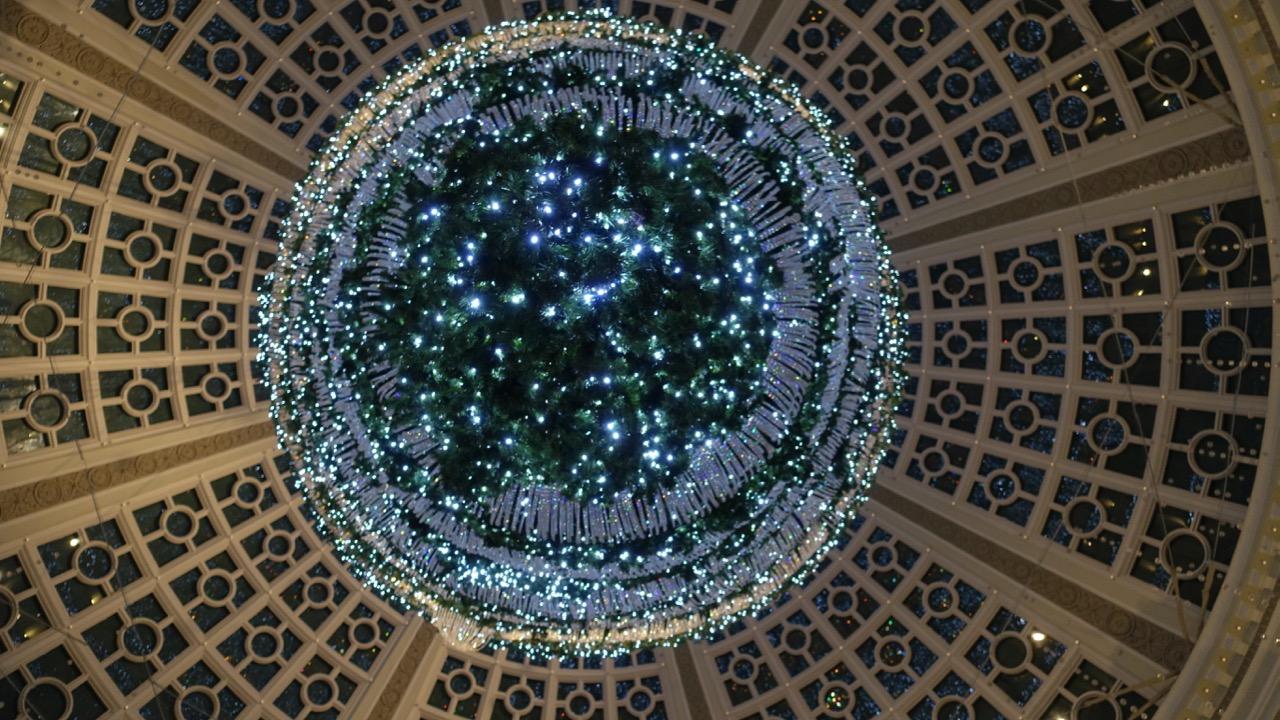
(397, 688)
(1140, 635)
(1228, 147)
(50, 492)
(37, 31)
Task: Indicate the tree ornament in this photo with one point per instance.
(583, 337)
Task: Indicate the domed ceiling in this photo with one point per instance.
(1079, 517)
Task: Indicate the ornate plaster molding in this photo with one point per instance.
(1139, 634)
(39, 33)
(1228, 147)
(695, 696)
(398, 685)
(50, 492)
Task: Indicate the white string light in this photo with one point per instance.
(584, 337)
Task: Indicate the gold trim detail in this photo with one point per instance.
(39, 33)
(1228, 147)
(695, 695)
(394, 691)
(1246, 661)
(51, 492)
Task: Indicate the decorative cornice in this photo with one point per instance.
(1228, 147)
(394, 691)
(36, 31)
(51, 492)
(695, 697)
(1137, 633)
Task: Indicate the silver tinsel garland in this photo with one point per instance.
(834, 357)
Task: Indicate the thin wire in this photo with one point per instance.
(46, 626)
(1105, 42)
(1158, 330)
(1174, 581)
(1235, 406)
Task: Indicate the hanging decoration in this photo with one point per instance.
(583, 337)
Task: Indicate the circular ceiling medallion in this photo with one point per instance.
(584, 337)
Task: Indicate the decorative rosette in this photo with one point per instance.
(583, 337)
